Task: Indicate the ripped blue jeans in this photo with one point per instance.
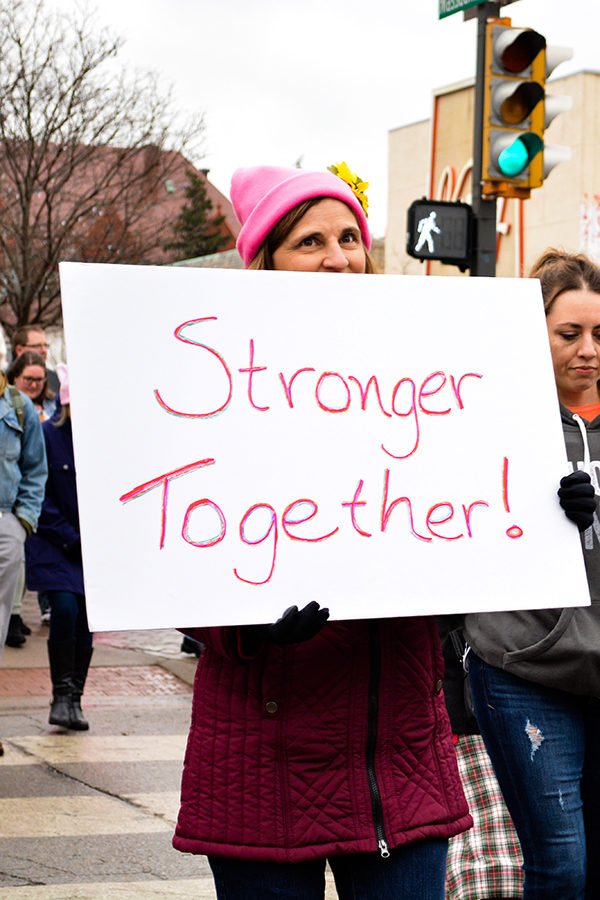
(545, 747)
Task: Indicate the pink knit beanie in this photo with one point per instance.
(262, 195)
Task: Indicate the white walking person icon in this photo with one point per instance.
(426, 229)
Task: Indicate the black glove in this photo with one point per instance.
(298, 625)
(293, 627)
(577, 498)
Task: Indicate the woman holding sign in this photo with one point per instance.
(535, 675)
(314, 740)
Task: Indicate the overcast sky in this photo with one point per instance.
(324, 82)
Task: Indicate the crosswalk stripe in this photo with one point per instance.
(158, 803)
(56, 749)
(75, 816)
(26, 818)
(198, 888)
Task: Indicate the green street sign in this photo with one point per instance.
(447, 7)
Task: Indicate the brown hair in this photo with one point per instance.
(65, 413)
(21, 335)
(18, 366)
(279, 232)
(560, 271)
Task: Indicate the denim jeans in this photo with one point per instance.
(68, 618)
(413, 872)
(545, 747)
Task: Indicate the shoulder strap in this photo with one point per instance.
(18, 403)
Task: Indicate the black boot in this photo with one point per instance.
(25, 629)
(83, 655)
(14, 635)
(61, 656)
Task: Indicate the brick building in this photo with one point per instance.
(116, 205)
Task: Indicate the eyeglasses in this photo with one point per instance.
(37, 347)
(29, 380)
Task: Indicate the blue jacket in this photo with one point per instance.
(53, 553)
(23, 467)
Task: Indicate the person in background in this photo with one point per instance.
(535, 675)
(23, 472)
(484, 863)
(28, 373)
(53, 564)
(32, 337)
(313, 740)
(29, 342)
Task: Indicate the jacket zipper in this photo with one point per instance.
(372, 716)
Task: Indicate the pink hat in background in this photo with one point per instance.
(262, 195)
(63, 376)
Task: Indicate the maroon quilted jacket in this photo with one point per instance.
(337, 745)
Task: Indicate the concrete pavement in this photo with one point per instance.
(90, 815)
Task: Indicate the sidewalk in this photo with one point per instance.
(90, 815)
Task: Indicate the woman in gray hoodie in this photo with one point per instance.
(535, 675)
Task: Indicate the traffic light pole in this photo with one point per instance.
(483, 260)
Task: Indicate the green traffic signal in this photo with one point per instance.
(515, 158)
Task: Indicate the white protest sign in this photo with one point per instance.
(385, 445)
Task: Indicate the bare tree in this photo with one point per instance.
(85, 150)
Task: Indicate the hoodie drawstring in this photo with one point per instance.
(587, 460)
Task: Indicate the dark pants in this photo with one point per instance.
(68, 618)
(414, 872)
(545, 747)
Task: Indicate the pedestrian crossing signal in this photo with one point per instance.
(440, 230)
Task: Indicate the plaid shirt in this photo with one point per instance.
(486, 861)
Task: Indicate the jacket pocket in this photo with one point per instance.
(546, 643)
(10, 438)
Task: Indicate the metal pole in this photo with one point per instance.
(483, 260)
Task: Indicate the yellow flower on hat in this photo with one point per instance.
(358, 186)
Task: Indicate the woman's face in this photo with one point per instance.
(326, 239)
(574, 331)
(31, 381)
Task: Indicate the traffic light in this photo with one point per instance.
(516, 110)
